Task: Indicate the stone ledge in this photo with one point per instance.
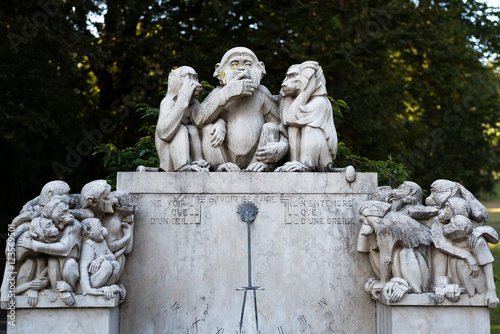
(427, 299)
(258, 183)
(81, 302)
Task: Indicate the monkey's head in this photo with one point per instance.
(408, 188)
(177, 77)
(441, 190)
(97, 196)
(239, 60)
(93, 230)
(301, 76)
(43, 230)
(58, 210)
(459, 228)
(53, 189)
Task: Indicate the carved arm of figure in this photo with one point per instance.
(60, 248)
(117, 245)
(88, 264)
(445, 246)
(170, 120)
(215, 102)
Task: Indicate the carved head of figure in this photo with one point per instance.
(239, 60)
(383, 194)
(459, 228)
(178, 76)
(44, 230)
(52, 189)
(370, 215)
(302, 76)
(93, 230)
(441, 190)
(408, 189)
(58, 210)
(96, 196)
(453, 207)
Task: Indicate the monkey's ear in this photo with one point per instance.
(468, 230)
(263, 69)
(87, 228)
(92, 201)
(33, 233)
(216, 73)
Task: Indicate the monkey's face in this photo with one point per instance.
(445, 213)
(457, 229)
(99, 232)
(106, 201)
(44, 230)
(61, 216)
(241, 63)
(291, 86)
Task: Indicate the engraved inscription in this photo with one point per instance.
(177, 210)
(324, 211)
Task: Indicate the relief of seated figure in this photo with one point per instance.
(239, 119)
(307, 112)
(99, 269)
(177, 140)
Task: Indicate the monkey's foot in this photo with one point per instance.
(63, 286)
(201, 163)
(192, 168)
(373, 288)
(491, 299)
(143, 169)
(396, 289)
(293, 166)
(120, 289)
(228, 167)
(51, 295)
(257, 167)
(68, 298)
(32, 297)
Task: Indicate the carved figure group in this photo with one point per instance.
(441, 247)
(241, 125)
(50, 257)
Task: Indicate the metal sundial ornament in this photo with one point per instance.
(248, 211)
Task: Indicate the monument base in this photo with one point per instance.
(91, 315)
(421, 314)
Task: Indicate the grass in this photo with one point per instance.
(492, 203)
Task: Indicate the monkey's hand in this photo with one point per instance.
(228, 167)
(26, 242)
(94, 266)
(218, 132)
(472, 239)
(474, 270)
(270, 153)
(32, 297)
(257, 167)
(491, 299)
(188, 88)
(39, 283)
(108, 292)
(240, 85)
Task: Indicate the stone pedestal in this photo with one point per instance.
(190, 253)
(420, 314)
(91, 315)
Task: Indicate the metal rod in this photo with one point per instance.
(255, 305)
(243, 309)
(249, 255)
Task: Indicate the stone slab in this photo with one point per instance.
(81, 301)
(102, 320)
(432, 319)
(427, 299)
(190, 253)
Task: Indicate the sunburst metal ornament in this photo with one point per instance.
(248, 211)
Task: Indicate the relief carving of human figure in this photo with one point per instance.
(177, 141)
(307, 112)
(239, 119)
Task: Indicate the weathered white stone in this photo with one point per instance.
(190, 253)
(418, 319)
(102, 320)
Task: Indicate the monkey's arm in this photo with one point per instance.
(116, 245)
(60, 248)
(86, 257)
(170, 120)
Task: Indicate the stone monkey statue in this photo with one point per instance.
(99, 269)
(177, 141)
(306, 110)
(239, 119)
